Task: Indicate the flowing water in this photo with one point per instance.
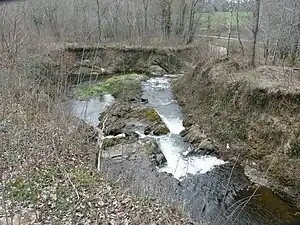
(212, 189)
(159, 94)
(89, 110)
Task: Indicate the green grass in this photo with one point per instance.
(221, 18)
(52, 184)
(109, 142)
(119, 86)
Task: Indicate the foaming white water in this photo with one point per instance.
(174, 124)
(173, 75)
(159, 93)
(108, 99)
(179, 165)
(159, 82)
(89, 110)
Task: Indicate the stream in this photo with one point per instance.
(212, 190)
(159, 94)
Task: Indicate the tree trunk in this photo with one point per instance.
(181, 19)
(229, 29)
(191, 27)
(146, 4)
(295, 47)
(208, 23)
(266, 51)
(255, 31)
(166, 22)
(99, 20)
(238, 29)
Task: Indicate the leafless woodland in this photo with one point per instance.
(274, 26)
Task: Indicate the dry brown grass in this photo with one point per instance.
(48, 160)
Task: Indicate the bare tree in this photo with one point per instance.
(294, 31)
(99, 3)
(238, 28)
(195, 9)
(146, 7)
(255, 30)
(230, 27)
(166, 15)
(181, 18)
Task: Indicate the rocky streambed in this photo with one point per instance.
(144, 152)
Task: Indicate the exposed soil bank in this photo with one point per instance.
(77, 63)
(252, 115)
(106, 60)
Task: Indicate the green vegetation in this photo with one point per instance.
(109, 142)
(52, 184)
(151, 114)
(221, 18)
(120, 86)
(22, 190)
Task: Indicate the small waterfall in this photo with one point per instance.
(158, 92)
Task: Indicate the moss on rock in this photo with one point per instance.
(151, 114)
(120, 86)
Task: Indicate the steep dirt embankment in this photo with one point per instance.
(111, 60)
(76, 63)
(253, 115)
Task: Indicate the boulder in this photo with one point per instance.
(123, 117)
(156, 70)
(206, 147)
(151, 147)
(82, 71)
(156, 129)
(156, 156)
(144, 100)
(161, 159)
(160, 129)
(193, 134)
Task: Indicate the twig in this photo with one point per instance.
(74, 187)
(100, 142)
(229, 179)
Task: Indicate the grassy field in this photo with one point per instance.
(222, 18)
